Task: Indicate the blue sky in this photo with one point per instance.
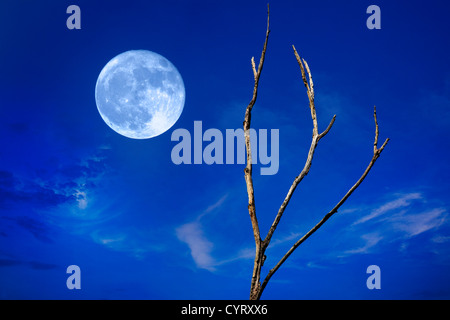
(72, 191)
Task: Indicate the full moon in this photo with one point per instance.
(140, 94)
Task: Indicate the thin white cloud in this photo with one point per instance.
(200, 247)
(213, 206)
(440, 239)
(81, 199)
(404, 201)
(105, 147)
(371, 239)
(314, 265)
(246, 253)
(112, 241)
(192, 234)
(115, 241)
(393, 223)
(128, 240)
(412, 224)
(290, 237)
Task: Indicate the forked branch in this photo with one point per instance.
(257, 288)
(376, 154)
(315, 140)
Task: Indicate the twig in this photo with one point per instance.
(376, 154)
(315, 139)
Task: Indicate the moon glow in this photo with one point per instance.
(140, 94)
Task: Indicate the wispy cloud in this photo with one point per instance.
(200, 247)
(130, 240)
(403, 201)
(55, 198)
(371, 239)
(440, 239)
(401, 216)
(395, 222)
(213, 206)
(293, 236)
(81, 199)
(70, 199)
(193, 235)
(390, 223)
(417, 223)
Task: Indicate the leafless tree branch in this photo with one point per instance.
(315, 139)
(259, 255)
(257, 288)
(376, 154)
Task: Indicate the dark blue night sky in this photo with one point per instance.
(74, 192)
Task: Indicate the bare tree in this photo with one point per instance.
(257, 287)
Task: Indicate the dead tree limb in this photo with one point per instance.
(376, 154)
(259, 254)
(256, 287)
(315, 140)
